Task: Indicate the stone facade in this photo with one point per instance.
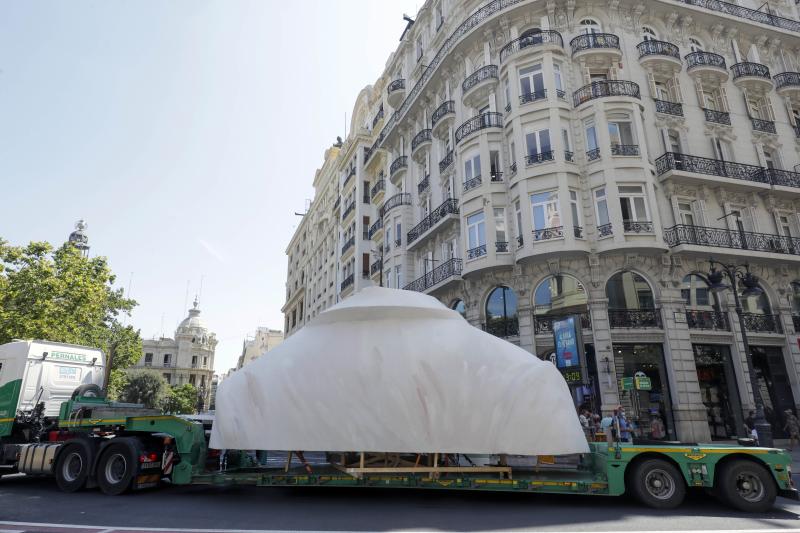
(264, 340)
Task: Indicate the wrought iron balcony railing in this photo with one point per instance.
(635, 318)
(482, 74)
(495, 176)
(399, 163)
(349, 244)
(379, 186)
(448, 207)
(535, 159)
(513, 166)
(446, 161)
(397, 200)
(711, 167)
(373, 229)
(658, 48)
(447, 108)
(419, 138)
(533, 96)
(472, 183)
(708, 320)
(501, 247)
(748, 69)
(546, 234)
(349, 209)
(375, 267)
(378, 117)
(348, 281)
(625, 149)
(478, 251)
(577, 232)
(757, 323)
(637, 226)
(423, 185)
(718, 117)
(669, 108)
(605, 230)
(785, 178)
(445, 271)
(396, 85)
(520, 241)
(604, 89)
(704, 59)
(569, 156)
(593, 155)
(735, 239)
(786, 79)
(539, 38)
(489, 119)
(544, 324)
(754, 15)
(767, 126)
(502, 327)
(589, 41)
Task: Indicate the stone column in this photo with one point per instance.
(525, 314)
(606, 373)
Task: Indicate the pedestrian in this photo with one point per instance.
(622, 426)
(657, 430)
(792, 427)
(584, 420)
(750, 422)
(607, 427)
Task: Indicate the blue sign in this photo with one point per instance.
(566, 341)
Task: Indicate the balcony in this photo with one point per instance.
(626, 150)
(787, 84)
(569, 156)
(398, 168)
(707, 66)
(635, 318)
(375, 267)
(605, 89)
(539, 41)
(752, 76)
(637, 226)
(446, 162)
(605, 45)
(377, 191)
(693, 168)
(420, 143)
(605, 230)
(478, 123)
(659, 55)
(348, 282)
(501, 247)
(475, 253)
(376, 228)
(547, 234)
(348, 245)
(348, 178)
(756, 323)
(537, 159)
(543, 325)
(397, 200)
(717, 117)
(765, 126)
(424, 184)
(669, 108)
(533, 97)
(442, 118)
(442, 213)
(476, 87)
(704, 238)
(707, 320)
(495, 176)
(754, 15)
(349, 210)
(472, 183)
(593, 155)
(377, 118)
(450, 270)
(783, 178)
(396, 92)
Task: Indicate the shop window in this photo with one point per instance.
(773, 382)
(501, 313)
(718, 391)
(696, 294)
(560, 295)
(629, 290)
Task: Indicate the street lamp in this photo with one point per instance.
(201, 398)
(741, 274)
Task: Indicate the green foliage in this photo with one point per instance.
(145, 386)
(60, 295)
(181, 400)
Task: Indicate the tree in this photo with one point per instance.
(145, 386)
(60, 295)
(181, 400)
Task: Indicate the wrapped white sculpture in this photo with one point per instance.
(396, 371)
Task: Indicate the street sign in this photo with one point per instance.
(626, 384)
(643, 383)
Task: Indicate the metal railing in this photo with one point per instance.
(589, 41)
(424, 183)
(767, 126)
(375, 267)
(577, 231)
(539, 38)
(446, 161)
(513, 168)
(478, 251)
(635, 318)
(712, 167)
(472, 183)
(448, 207)
(348, 281)
(533, 96)
(746, 13)
(569, 156)
(669, 108)
(605, 230)
(637, 226)
(349, 244)
(544, 324)
(520, 241)
(447, 270)
(501, 247)
(399, 163)
(762, 323)
(535, 159)
(489, 119)
(625, 149)
(708, 320)
(495, 176)
(482, 74)
(447, 108)
(658, 48)
(349, 209)
(377, 226)
(545, 234)
(593, 155)
(735, 239)
(785, 178)
(604, 89)
(502, 327)
(379, 186)
(748, 69)
(704, 59)
(421, 137)
(718, 117)
(399, 199)
(396, 85)
(786, 79)
(378, 117)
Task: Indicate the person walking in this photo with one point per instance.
(792, 427)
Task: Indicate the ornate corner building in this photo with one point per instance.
(523, 160)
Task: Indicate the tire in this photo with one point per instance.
(117, 467)
(746, 486)
(89, 389)
(657, 483)
(72, 467)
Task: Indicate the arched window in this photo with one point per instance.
(629, 290)
(589, 26)
(648, 33)
(756, 305)
(460, 307)
(559, 294)
(530, 37)
(501, 313)
(696, 294)
(695, 45)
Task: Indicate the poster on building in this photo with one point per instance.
(566, 337)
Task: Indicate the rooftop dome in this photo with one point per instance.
(193, 322)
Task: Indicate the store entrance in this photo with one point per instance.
(718, 391)
(585, 392)
(773, 381)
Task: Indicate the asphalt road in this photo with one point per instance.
(341, 509)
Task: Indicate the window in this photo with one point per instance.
(784, 225)
(192, 379)
(518, 209)
(205, 362)
(720, 148)
(167, 359)
(167, 378)
(558, 80)
(674, 142)
(686, 213)
(420, 49)
(513, 148)
(589, 26)
(558, 295)
(500, 225)
(591, 137)
(472, 168)
(507, 92)
(633, 203)
(621, 133)
(770, 159)
(398, 276)
(476, 230)
(494, 165)
(695, 45)
(601, 207)
(398, 231)
(575, 211)
(695, 293)
(501, 313)
(628, 290)
(194, 361)
(531, 83)
(439, 16)
(538, 144)
(459, 307)
(544, 209)
(148, 359)
(648, 33)
(565, 139)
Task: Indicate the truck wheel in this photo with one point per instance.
(72, 467)
(117, 468)
(657, 484)
(746, 486)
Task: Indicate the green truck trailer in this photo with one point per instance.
(95, 443)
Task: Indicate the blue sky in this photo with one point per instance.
(186, 133)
